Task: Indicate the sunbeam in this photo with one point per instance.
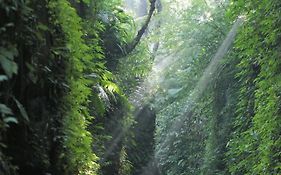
(149, 87)
(140, 87)
(202, 84)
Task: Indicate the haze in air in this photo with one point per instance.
(140, 87)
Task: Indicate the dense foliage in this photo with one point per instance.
(54, 81)
(233, 126)
(171, 87)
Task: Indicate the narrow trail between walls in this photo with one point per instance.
(147, 90)
(154, 79)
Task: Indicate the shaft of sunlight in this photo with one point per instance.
(142, 95)
(149, 86)
(202, 83)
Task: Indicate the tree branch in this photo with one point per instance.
(132, 45)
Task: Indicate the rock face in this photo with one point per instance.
(141, 153)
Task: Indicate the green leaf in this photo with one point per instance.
(6, 60)
(5, 110)
(2, 145)
(3, 78)
(22, 110)
(10, 67)
(10, 120)
(42, 27)
(7, 53)
(112, 87)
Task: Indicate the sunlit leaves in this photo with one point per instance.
(78, 140)
(133, 68)
(254, 148)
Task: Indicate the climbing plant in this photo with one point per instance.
(255, 146)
